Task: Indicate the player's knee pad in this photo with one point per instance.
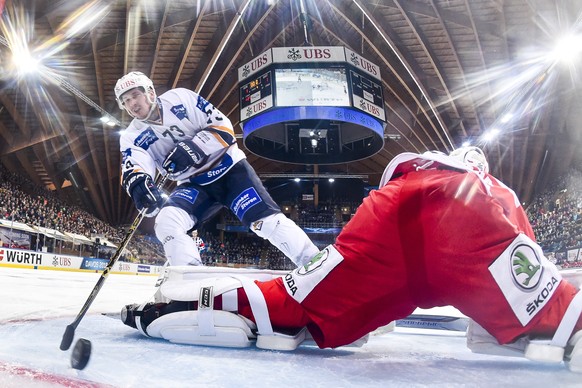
(267, 226)
(172, 225)
(171, 220)
(284, 234)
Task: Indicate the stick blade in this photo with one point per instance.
(68, 337)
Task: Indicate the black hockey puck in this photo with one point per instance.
(81, 354)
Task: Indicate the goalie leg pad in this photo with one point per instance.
(228, 330)
(207, 326)
(548, 350)
(574, 356)
(190, 272)
(480, 341)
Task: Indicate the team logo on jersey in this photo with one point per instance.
(525, 267)
(146, 139)
(125, 154)
(204, 105)
(179, 111)
(316, 262)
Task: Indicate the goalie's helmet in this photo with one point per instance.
(132, 80)
(472, 157)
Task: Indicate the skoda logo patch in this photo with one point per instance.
(526, 267)
(316, 262)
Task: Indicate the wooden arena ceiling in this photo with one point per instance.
(451, 71)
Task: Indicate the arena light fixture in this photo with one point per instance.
(568, 47)
(506, 118)
(490, 134)
(23, 61)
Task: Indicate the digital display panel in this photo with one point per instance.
(311, 87)
(256, 89)
(367, 89)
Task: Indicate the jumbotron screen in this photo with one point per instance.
(311, 87)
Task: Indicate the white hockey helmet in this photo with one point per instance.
(132, 80)
(472, 157)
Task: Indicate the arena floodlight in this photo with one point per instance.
(490, 134)
(567, 48)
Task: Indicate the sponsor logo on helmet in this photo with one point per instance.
(526, 267)
(127, 84)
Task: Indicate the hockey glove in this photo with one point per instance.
(143, 191)
(184, 156)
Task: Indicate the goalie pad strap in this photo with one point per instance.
(568, 322)
(258, 305)
(230, 300)
(206, 308)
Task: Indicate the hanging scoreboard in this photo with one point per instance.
(310, 76)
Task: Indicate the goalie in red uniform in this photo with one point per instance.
(439, 231)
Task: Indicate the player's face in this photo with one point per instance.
(136, 103)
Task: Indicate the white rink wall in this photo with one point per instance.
(19, 258)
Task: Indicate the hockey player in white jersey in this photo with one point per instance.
(182, 134)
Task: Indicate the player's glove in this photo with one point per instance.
(184, 156)
(143, 191)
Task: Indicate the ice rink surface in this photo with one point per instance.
(37, 305)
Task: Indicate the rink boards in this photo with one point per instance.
(19, 258)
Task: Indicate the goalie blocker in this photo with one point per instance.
(202, 310)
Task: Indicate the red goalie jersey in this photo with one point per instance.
(437, 232)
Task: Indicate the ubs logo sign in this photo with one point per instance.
(59, 261)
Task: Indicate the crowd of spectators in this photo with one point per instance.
(556, 217)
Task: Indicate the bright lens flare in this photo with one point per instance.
(24, 62)
(568, 48)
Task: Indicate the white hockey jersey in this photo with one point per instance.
(185, 116)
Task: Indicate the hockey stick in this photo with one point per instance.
(70, 330)
(438, 322)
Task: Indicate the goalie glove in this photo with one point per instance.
(184, 156)
(141, 188)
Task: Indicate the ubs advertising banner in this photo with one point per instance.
(20, 258)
